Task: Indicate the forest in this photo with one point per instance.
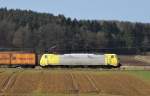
(44, 32)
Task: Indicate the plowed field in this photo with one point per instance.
(32, 82)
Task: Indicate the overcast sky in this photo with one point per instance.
(126, 10)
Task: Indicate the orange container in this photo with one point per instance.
(4, 58)
(23, 58)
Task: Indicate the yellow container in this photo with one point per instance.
(4, 58)
(23, 58)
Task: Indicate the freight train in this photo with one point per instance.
(31, 59)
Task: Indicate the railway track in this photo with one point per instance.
(122, 68)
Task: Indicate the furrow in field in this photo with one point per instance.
(69, 82)
(121, 84)
(84, 85)
(90, 79)
(26, 82)
(8, 82)
(74, 84)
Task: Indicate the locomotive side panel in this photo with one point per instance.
(82, 59)
(72, 59)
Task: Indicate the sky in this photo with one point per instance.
(123, 10)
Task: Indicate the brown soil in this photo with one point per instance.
(72, 82)
(121, 84)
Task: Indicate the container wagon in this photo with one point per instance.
(17, 59)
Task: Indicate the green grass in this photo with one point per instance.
(141, 74)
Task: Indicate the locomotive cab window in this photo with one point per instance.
(112, 56)
(45, 56)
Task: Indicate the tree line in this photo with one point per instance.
(26, 29)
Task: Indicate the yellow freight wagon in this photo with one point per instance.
(23, 59)
(17, 58)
